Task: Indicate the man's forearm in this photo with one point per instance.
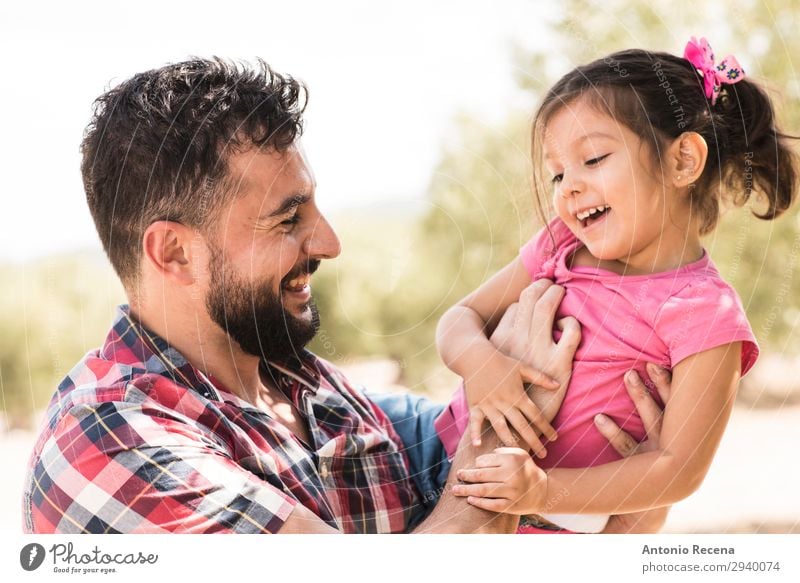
(453, 515)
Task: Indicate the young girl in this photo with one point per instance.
(643, 150)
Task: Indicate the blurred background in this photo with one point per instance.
(417, 127)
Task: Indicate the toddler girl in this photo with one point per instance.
(643, 150)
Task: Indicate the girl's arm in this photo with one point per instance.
(493, 381)
(463, 332)
(703, 392)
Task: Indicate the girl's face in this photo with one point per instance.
(607, 191)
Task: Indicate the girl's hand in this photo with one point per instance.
(504, 481)
(525, 336)
(525, 333)
(496, 392)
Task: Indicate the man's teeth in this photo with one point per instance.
(585, 214)
(299, 281)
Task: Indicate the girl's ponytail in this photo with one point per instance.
(752, 154)
(659, 96)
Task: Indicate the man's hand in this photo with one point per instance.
(648, 521)
(525, 333)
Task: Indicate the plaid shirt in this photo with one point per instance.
(137, 440)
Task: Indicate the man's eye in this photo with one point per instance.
(597, 160)
(293, 220)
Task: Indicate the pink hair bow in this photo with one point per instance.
(728, 72)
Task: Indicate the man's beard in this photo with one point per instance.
(254, 316)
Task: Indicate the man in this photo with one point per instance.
(202, 411)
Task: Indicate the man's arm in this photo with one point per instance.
(519, 335)
(453, 515)
(647, 521)
(450, 516)
(139, 468)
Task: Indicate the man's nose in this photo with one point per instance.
(322, 242)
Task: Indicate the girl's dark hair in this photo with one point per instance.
(157, 145)
(660, 96)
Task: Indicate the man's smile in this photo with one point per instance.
(297, 284)
(299, 288)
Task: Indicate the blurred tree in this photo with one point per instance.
(52, 311)
(481, 211)
(760, 259)
(401, 269)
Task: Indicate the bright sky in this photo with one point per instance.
(385, 81)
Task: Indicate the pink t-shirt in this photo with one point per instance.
(626, 322)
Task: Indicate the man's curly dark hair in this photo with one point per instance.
(157, 144)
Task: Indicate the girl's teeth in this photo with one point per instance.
(589, 212)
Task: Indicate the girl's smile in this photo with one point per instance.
(609, 193)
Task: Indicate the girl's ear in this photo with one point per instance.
(687, 159)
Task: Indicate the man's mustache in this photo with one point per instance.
(304, 268)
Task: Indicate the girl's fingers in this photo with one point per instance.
(490, 504)
(537, 418)
(483, 490)
(480, 475)
(523, 427)
(500, 426)
(488, 460)
(476, 419)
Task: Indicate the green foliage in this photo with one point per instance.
(481, 202)
(52, 311)
(401, 268)
(396, 278)
(760, 259)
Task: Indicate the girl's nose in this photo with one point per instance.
(571, 185)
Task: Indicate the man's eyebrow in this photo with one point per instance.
(287, 205)
(584, 138)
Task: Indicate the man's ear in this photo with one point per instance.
(167, 247)
(686, 159)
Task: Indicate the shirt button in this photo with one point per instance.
(323, 471)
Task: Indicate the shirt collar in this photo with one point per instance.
(133, 344)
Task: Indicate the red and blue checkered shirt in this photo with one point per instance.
(137, 440)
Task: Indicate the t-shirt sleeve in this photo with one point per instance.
(703, 315)
(539, 253)
(130, 468)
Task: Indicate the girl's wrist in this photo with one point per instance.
(545, 502)
(480, 354)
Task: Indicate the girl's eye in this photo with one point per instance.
(597, 160)
(557, 178)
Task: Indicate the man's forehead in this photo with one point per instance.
(264, 172)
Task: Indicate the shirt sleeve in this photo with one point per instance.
(132, 468)
(705, 314)
(538, 255)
